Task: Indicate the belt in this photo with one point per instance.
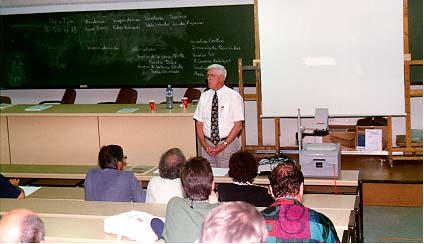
(209, 139)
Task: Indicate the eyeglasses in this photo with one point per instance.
(212, 75)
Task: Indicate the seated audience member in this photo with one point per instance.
(162, 188)
(243, 170)
(10, 188)
(21, 226)
(184, 216)
(287, 219)
(233, 222)
(110, 183)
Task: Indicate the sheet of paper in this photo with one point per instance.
(38, 107)
(373, 140)
(127, 110)
(29, 189)
(220, 171)
(5, 105)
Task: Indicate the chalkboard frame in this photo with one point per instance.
(248, 36)
(415, 36)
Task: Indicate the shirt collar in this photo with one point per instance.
(220, 90)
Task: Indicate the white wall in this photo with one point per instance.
(288, 126)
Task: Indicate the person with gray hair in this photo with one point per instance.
(219, 118)
(162, 188)
(233, 222)
(21, 226)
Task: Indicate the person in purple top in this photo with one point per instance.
(109, 182)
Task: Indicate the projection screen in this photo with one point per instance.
(344, 55)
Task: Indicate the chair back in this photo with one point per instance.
(127, 96)
(69, 96)
(5, 99)
(192, 94)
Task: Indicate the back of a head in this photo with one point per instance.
(197, 179)
(285, 180)
(243, 166)
(109, 156)
(233, 222)
(21, 226)
(171, 163)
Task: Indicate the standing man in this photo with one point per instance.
(219, 118)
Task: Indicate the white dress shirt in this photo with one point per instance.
(230, 110)
(160, 190)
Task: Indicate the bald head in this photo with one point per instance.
(21, 225)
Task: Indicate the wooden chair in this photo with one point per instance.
(125, 96)
(192, 94)
(68, 97)
(5, 99)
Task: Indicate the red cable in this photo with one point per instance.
(335, 178)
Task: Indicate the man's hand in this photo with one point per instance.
(213, 151)
(14, 182)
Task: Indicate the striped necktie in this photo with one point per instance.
(214, 120)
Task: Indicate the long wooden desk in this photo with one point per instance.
(68, 134)
(348, 179)
(63, 193)
(314, 201)
(77, 172)
(63, 217)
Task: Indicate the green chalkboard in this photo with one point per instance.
(415, 25)
(124, 48)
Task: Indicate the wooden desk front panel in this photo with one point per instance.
(4, 142)
(53, 140)
(144, 139)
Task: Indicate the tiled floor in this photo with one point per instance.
(393, 224)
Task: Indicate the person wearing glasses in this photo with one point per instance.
(218, 127)
(110, 182)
